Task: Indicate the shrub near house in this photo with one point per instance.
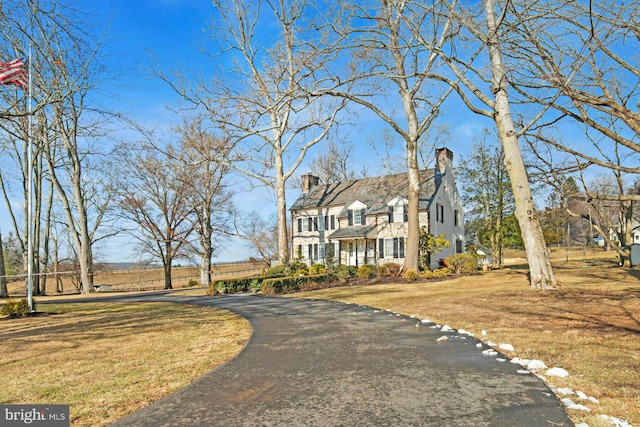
(276, 280)
(462, 263)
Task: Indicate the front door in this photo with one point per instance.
(352, 255)
(361, 249)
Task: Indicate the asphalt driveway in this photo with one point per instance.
(319, 363)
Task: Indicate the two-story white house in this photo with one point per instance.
(364, 221)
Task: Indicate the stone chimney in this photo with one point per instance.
(444, 159)
(308, 182)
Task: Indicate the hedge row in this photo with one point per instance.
(270, 286)
(233, 286)
(290, 284)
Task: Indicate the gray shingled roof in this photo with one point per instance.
(352, 232)
(373, 192)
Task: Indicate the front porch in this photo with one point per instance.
(356, 246)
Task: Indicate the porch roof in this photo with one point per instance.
(353, 232)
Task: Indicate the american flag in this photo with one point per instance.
(14, 73)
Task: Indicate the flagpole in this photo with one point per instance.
(30, 236)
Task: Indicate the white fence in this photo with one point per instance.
(18, 289)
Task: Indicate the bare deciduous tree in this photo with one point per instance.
(334, 164)
(3, 272)
(203, 180)
(578, 60)
(612, 219)
(260, 98)
(153, 197)
(261, 235)
(606, 202)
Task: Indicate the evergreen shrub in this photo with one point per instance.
(394, 269)
(462, 263)
(317, 269)
(234, 286)
(367, 271)
(410, 275)
(276, 271)
(283, 285)
(295, 267)
(16, 308)
(440, 272)
(427, 274)
(383, 271)
(344, 272)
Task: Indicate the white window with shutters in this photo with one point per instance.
(388, 248)
(398, 213)
(356, 215)
(397, 209)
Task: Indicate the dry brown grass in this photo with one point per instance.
(108, 360)
(590, 326)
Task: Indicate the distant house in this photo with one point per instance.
(364, 221)
(598, 240)
(485, 256)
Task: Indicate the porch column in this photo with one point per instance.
(366, 251)
(356, 249)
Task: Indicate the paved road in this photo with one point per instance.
(319, 363)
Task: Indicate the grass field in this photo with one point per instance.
(590, 326)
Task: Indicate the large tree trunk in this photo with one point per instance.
(541, 273)
(80, 236)
(167, 260)
(3, 272)
(540, 270)
(412, 135)
(46, 253)
(56, 267)
(413, 236)
(37, 225)
(167, 275)
(281, 206)
(493, 240)
(206, 251)
(85, 260)
(500, 252)
(497, 239)
(85, 253)
(628, 227)
(205, 271)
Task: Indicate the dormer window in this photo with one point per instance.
(398, 213)
(356, 213)
(398, 209)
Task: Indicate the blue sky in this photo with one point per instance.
(142, 30)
